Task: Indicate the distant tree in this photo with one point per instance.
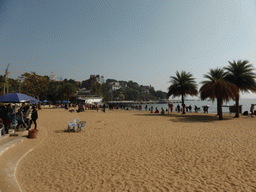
(133, 85)
(181, 85)
(118, 95)
(131, 94)
(13, 85)
(97, 89)
(72, 81)
(152, 91)
(68, 90)
(146, 97)
(106, 92)
(241, 74)
(87, 84)
(123, 83)
(110, 80)
(54, 92)
(129, 90)
(160, 94)
(216, 86)
(2, 84)
(34, 84)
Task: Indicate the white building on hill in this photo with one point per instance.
(115, 85)
(85, 96)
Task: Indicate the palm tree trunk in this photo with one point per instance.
(219, 107)
(183, 106)
(237, 107)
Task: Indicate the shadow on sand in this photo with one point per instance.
(65, 131)
(190, 117)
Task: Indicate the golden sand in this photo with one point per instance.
(139, 151)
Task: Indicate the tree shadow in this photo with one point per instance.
(190, 117)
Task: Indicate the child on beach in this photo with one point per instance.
(34, 116)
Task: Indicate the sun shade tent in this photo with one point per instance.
(17, 98)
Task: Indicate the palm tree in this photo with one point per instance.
(218, 87)
(241, 74)
(181, 85)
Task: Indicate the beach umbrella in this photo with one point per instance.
(64, 101)
(34, 102)
(58, 101)
(17, 98)
(45, 101)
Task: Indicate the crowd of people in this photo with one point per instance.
(82, 107)
(12, 116)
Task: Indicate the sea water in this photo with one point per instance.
(246, 104)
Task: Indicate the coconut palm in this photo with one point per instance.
(218, 87)
(241, 74)
(183, 84)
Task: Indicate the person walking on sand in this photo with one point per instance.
(171, 107)
(178, 108)
(27, 116)
(195, 108)
(34, 116)
(252, 110)
(190, 108)
(104, 107)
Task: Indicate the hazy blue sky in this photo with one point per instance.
(146, 41)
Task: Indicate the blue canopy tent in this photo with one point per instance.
(17, 98)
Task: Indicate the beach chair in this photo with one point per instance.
(76, 121)
(71, 125)
(82, 124)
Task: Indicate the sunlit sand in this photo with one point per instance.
(139, 151)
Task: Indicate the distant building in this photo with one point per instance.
(84, 95)
(97, 78)
(52, 77)
(115, 85)
(59, 79)
(102, 79)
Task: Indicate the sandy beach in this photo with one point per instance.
(138, 151)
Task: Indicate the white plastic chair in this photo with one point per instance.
(82, 124)
(76, 121)
(71, 125)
